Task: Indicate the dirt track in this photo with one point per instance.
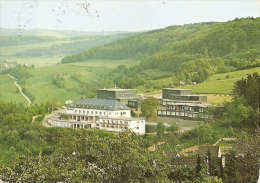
(20, 89)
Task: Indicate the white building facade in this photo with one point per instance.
(110, 115)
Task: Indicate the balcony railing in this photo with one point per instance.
(104, 123)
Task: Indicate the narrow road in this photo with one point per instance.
(45, 121)
(20, 89)
(34, 117)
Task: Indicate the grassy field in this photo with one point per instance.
(226, 143)
(8, 91)
(12, 50)
(38, 62)
(42, 87)
(106, 63)
(217, 99)
(220, 83)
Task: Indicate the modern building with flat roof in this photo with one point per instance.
(125, 96)
(181, 103)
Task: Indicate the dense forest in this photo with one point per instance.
(193, 52)
(31, 152)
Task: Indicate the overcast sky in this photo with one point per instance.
(114, 15)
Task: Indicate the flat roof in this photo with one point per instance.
(189, 95)
(180, 101)
(176, 89)
(114, 89)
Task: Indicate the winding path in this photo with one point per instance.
(20, 89)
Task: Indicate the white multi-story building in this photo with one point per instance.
(110, 115)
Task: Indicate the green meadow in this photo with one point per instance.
(221, 83)
(8, 91)
(36, 61)
(40, 83)
(12, 50)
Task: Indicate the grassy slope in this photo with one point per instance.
(11, 50)
(7, 52)
(8, 91)
(41, 86)
(37, 61)
(220, 83)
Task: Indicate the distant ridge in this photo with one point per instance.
(54, 33)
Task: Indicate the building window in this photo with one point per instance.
(75, 111)
(79, 111)
(137, 128)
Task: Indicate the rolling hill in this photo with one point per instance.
(214, 55)
(235, 42)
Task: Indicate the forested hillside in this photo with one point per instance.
(207, 48)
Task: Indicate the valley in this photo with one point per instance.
(219, 60)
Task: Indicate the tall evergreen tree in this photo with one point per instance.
(230, 167)
(198, 165)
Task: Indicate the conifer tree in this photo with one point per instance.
(198, 166)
